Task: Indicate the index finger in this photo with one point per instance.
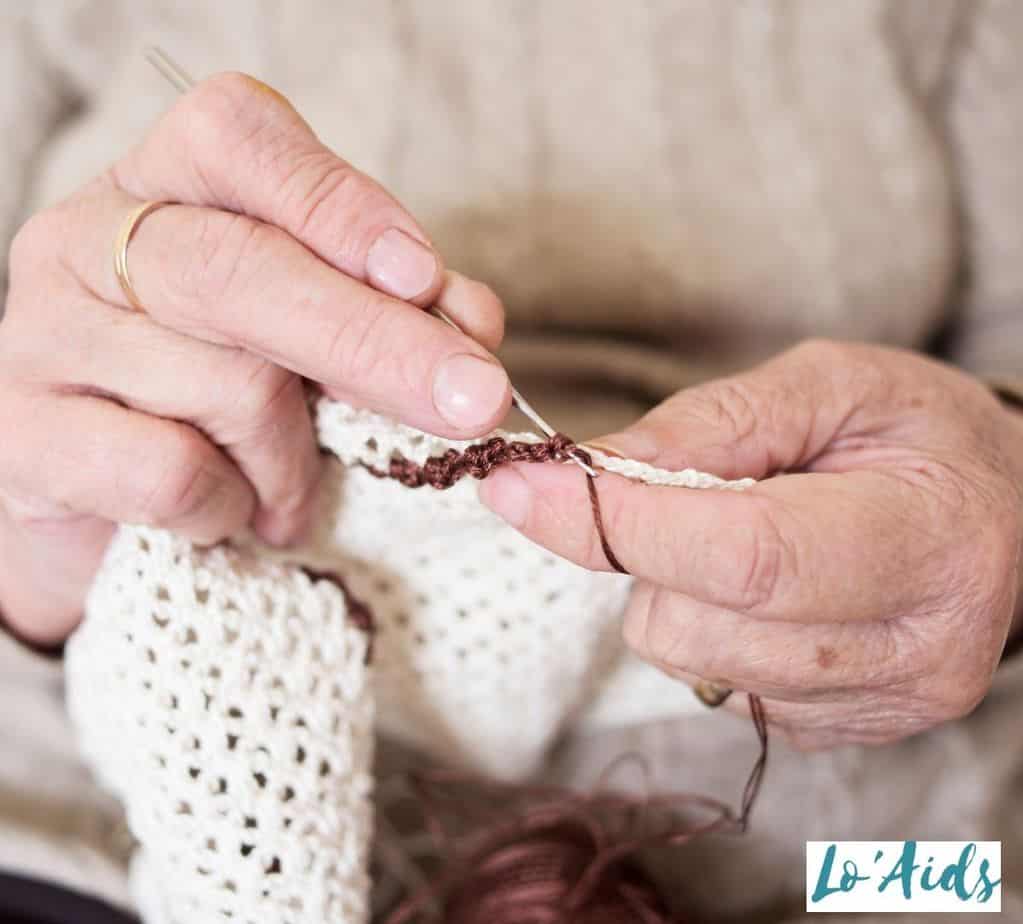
(229, 279)
(234, 143)
(811, 548)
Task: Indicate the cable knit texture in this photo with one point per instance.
(662, 191)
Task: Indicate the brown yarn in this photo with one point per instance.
(359, 612)
(531, 880)
(598, 517)
(534, 874)
(480, 459)
(560, 858)
(477, 461)
(545, 855)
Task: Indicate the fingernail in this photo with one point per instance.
(468, 391)
(630, 444)
(400, 265)
(509, 495)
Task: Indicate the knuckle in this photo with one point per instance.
(635, 628)
(659, 635)
(320, 192)
(730, 408)
(316, 194)
(641, 629)
(1002, 544)
(357, 347)
(825, 353)
(960, 691)
(815, 353)
(960, 667)
(764, 556)
(221, 248)
(988, 599)
(181, 484)
(266, 394)
(857, 374)
(974, 688)
(236, 87)
(232, 118)
(980, 577)
(226, 108)
(893, 656)
(944, 492)
(292, 494)
(819, 348)
(263, 413)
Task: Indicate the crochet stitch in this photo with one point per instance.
(223, 694)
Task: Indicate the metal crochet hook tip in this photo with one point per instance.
(169, 68)
(525, 407)
(179, 79)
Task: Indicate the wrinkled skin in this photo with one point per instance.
(865, 591)
(280, 263)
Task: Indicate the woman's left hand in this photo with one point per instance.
(866, 592)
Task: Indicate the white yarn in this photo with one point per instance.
(224, 699)
(648, 474)
(196, 666)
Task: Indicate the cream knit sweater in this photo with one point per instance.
(660, 191)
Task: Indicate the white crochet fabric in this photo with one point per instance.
(223, 694)
(225, 700)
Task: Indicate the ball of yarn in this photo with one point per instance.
(553, 872)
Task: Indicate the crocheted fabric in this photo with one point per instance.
(224, 694)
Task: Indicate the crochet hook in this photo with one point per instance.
(524, 406)
(181, 82)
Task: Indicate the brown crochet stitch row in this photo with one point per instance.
(480, 459)
(477, 461)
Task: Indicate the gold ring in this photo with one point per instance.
(710, 694)
(124, 236)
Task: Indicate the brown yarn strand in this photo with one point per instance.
(598, 517)
(559, 857)
(359, 612)
(756, 705)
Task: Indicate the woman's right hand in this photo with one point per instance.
(280, 262)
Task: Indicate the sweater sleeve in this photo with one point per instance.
(985, 121)
(37, 96)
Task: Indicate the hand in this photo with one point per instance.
(281, 261)
(865, 591)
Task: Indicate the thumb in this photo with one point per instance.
(762, 550)
(775, 417)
